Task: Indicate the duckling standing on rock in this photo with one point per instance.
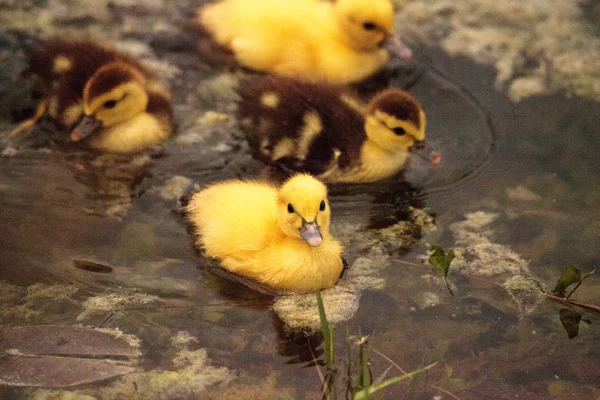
(322, 130)
(100, 95)
(341, 42)
(277, 237)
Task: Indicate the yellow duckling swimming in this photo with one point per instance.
(278, 237)
(321, 129)
(100, 95)
(337, 42)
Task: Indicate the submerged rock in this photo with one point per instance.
(536, 47)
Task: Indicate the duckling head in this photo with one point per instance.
(365, 23)
(113, 95)
(395, 121)
(303, 210)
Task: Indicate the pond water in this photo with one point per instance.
(516, 193)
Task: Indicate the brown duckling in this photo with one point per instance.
(323, 130)
(99, 94)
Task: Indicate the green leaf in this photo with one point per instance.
(447, 371)
(440, 261)
(455, 384)
(377, 387)
(570, 321)
(569, 276)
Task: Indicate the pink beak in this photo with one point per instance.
(311, 234)
(397, 49)
(88, 125)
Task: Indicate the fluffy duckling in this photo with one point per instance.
(100, 95)
(322, 130)
(278, 237)
(341, 42)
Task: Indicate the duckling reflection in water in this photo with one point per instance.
(323, 130)
(340, 42)
(277, 237)
(101, 96)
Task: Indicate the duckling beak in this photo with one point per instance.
(88, 125)
(421, 150)
(396, 48)
(311, 234)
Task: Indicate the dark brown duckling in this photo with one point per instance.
(99, 94)
(323, 130)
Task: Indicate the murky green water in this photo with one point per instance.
(534, 165)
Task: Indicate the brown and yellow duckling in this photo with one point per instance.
(276, 237)
(327, 132)
(99, 95)
(339, 42)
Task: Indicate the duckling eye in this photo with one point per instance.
(291, 209)
(322, 205)
(110, 104)
(399, 131)
(369, 26)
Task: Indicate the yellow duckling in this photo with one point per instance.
(100, 95)
(322, 130)
(278, 237)
(338, 42)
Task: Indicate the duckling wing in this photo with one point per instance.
(234, 219)
(319, 159)
(54, 58)
(275, 35)
(297, 125)
(65, 105)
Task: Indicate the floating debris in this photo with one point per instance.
(267, 388)
(479, 255)
(183, 339)
(111, 302)
(526, 292)
(175, 187)
(522, 193)
(428, 300)
(18, 304)
(192, 375)
(211, 118)
(92, 266)
(300, 312)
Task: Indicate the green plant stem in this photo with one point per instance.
(579, 283)
(404, 372)
(366, 392)
(589, 307)
(448, 285)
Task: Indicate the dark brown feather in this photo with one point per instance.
(403, 107)
(343, 126)
(103, 83)
(159, 103)
(86, 57)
